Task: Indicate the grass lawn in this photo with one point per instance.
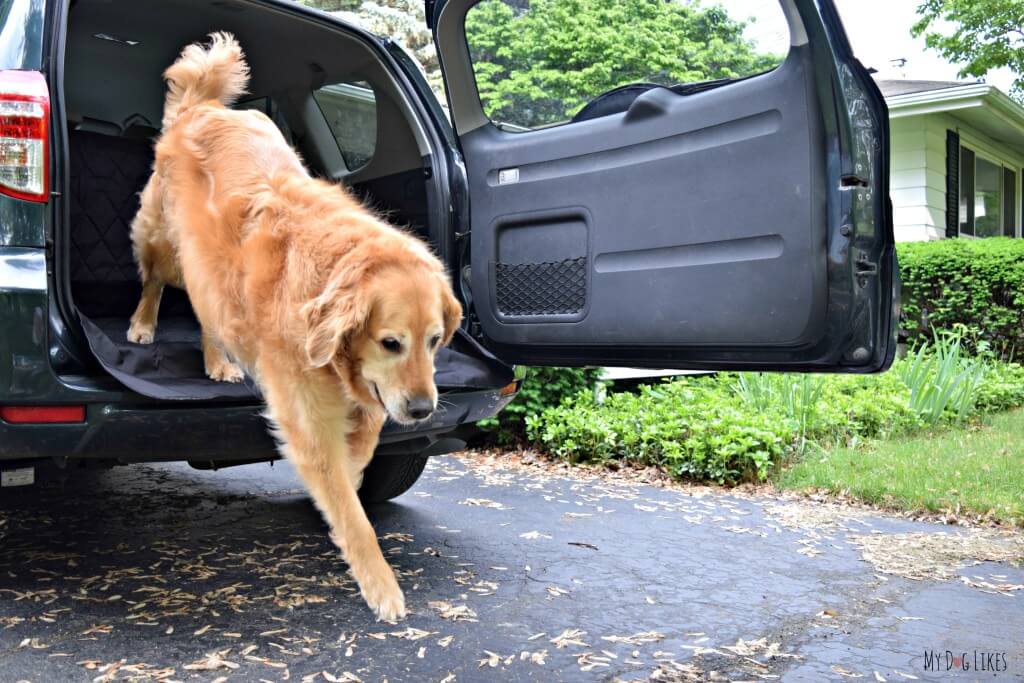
(979, 468)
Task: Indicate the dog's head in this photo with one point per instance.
(378, 326)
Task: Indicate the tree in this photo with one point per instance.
(538, 62)
(986, 35)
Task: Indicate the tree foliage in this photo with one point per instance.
(539, 62)
(979, 34)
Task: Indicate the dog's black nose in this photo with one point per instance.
(419, 408)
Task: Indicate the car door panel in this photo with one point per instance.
(718, 229)
(664, 216)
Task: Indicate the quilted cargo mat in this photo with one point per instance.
(171, 368)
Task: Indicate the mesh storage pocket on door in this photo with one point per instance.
(552, 288)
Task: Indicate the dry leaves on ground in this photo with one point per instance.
(939, 556)
(570, 636)
(453, 612)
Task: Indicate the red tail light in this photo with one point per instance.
(42, 414)
(24, 135)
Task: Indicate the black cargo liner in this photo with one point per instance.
(171, 368)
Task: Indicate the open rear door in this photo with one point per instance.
(734, 224)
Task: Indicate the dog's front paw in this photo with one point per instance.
(226, 372)
(141, 334)
(385, 598)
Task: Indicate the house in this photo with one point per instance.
(957, 159)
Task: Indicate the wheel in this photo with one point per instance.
(389, 476)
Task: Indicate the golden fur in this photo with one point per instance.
(335, 314)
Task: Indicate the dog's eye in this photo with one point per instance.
(391, 344)
(434, 341)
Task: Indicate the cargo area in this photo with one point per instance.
(335, 101)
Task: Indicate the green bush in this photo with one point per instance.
(739, 427)
(978, 284)
(693, 428)
(942, 377)
(542, 388)
(1001, 388)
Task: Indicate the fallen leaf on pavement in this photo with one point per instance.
(570, 636)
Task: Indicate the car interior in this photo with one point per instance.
(333, 100)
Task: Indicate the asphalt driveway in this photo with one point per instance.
(510, 573)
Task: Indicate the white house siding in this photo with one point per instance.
(917, 180)
(918, 171)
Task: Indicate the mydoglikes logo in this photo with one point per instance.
(978, 661)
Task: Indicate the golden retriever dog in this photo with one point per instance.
(334, 313)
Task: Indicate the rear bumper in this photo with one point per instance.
(154, 432)
(125, 427)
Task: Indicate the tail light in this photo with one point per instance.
(41, 414)
(24, 135)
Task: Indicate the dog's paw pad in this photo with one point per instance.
(389, 607)
(383, 595)
(226, 372)
(141, 335)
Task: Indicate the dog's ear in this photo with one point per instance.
(341, 310)
(452, 309)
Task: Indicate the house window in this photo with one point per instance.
(1009, 202)
(988, 197)
(966, 191)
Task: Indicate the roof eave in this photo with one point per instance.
(978, 104)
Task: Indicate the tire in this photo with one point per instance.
(389, 476)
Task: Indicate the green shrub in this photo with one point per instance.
(942, 377)
(798, 397)
(1001, 388)
(542, 388)
(975, 283)
(695, 429)
(739, 427)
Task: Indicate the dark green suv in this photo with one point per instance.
(740, 223)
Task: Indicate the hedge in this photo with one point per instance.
(978, 284)
(542, 388)
(732, 428)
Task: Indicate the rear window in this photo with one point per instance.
(539, 63)
(350, 109)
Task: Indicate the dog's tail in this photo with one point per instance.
(216, 71)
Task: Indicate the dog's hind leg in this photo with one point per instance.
(148, 227)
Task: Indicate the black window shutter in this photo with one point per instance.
(952, 183)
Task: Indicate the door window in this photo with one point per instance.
(539, 63)
(351, 111)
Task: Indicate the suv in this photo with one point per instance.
(739, 224)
